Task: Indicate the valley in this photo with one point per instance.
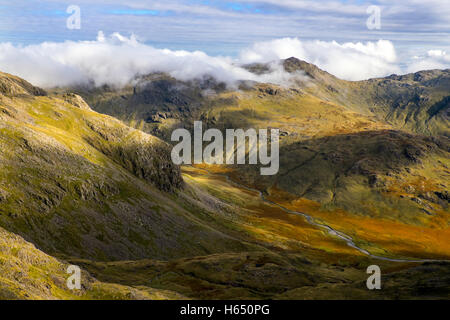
(87, 179)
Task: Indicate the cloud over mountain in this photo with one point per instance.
(113, 60)
(434, 59)
(116, 60)
(350, 61)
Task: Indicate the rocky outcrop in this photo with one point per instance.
(76, 101)
(143, 155)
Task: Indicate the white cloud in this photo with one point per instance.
(116, 60)
(350, 61)
(434, 59)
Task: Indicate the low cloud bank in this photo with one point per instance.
(349, 61)
(434, 59)
(116, 60)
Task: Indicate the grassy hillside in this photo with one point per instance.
(80, 187)
(416, 102)
(28, 273)
(295, 260)
(78, 183)
(370, 151)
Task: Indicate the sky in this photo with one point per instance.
(411, 34)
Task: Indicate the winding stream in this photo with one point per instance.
(348, 240)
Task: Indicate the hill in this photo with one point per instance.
(79, 187)
(375, 149)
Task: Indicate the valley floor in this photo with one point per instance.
(292, 259)
(289, 259)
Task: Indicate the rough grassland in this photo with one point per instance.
(85, 188)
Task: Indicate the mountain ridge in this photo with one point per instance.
(90, 190)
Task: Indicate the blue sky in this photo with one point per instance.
(225, 27)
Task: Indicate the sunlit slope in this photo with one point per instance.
(417, 102)
(339, 157)
(348, 163)
(381, 185)
(77, 183)
(260, 221)
(295, 260)
(84, 187)
(375, 150)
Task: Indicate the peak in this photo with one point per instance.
(293, 64)
(76, 101)
(293, 60)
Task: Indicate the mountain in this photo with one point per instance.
(375, 149)
(80, 187)
(59, 157)
(416, 102)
